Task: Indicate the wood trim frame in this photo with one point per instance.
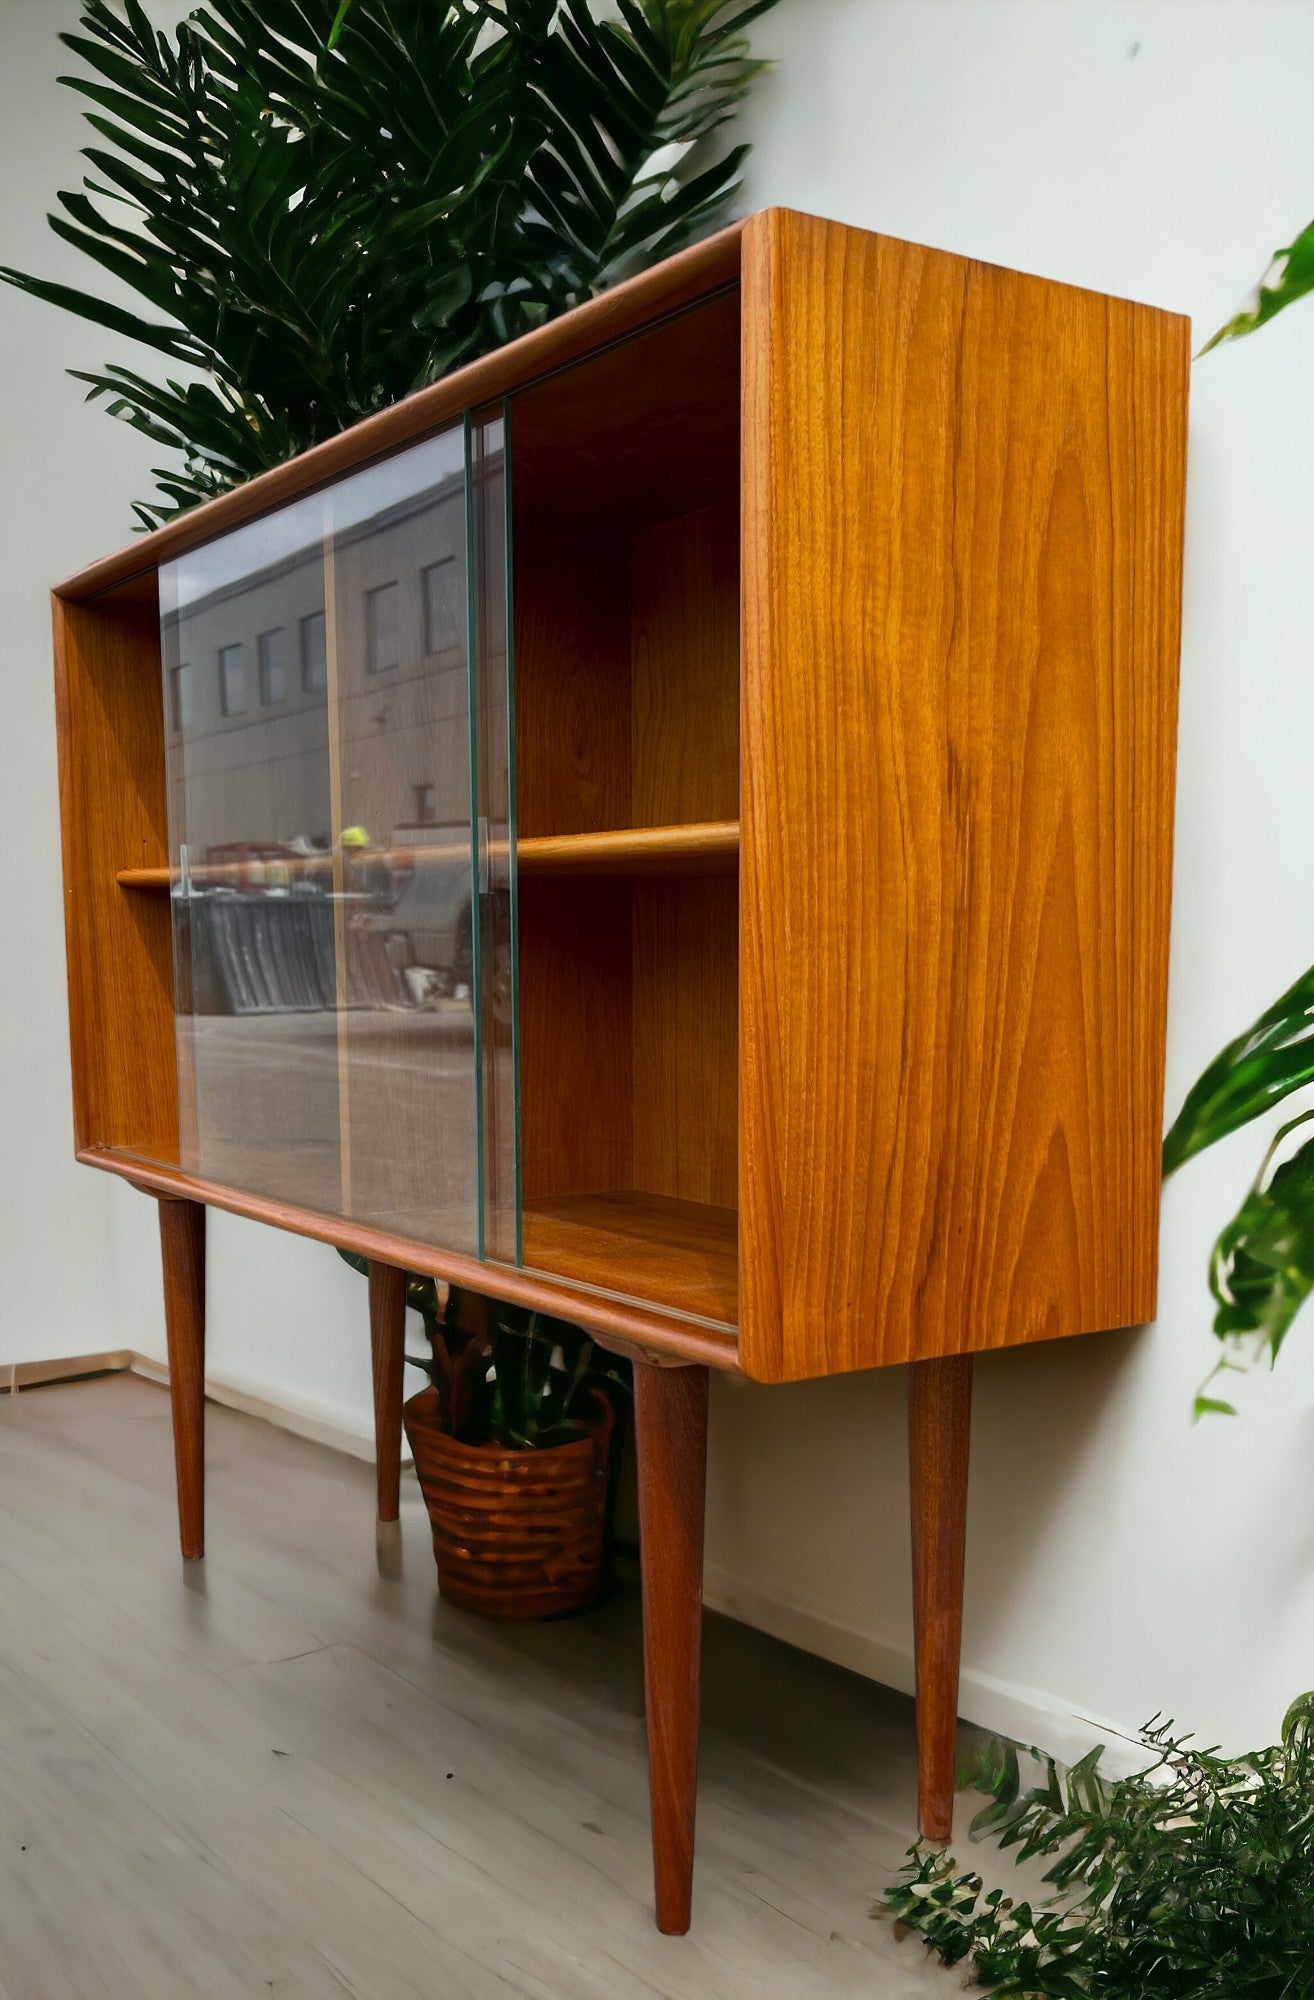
(641, 1332)
(118, 582)
(112, 813)
(680, 281)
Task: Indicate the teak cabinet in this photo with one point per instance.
(671, 823)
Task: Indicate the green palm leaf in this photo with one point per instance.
(1262, 1268)
(326, 206)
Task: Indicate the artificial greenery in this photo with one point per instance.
(506, 1375)
(325, 206)
(1193, 1880)
(1262, 1267)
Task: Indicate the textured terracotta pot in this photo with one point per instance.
(516, 1534)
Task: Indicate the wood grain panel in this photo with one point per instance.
(629, 1328)
(939, 1441)
(684, 599)
(113, 815)
(387, 1299)
(670, 1435)
(686, 1105)
(576, 1047)
(669, 287)
(643, 429)
(678, 1254)
(182, 1250)
(572, 677)
(962, 545)
(708, 846)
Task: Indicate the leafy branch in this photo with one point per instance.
(325, 206)
(1191, 1880)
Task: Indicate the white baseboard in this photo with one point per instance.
(16, 1375)
(1026, 1714)
(302, 1419)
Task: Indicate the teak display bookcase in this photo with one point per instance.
(671, 824)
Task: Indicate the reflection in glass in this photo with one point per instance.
(382, 633)
(322, 855)
(314, 654)
(269, 652)
(444, 609)
(232, 680)
(498, 1019)
(180, 696)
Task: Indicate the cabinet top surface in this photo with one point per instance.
(668, 287)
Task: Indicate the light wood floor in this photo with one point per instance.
(281, 1774)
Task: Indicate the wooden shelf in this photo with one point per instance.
(679, 1254)
(709, 847)
(144, 878)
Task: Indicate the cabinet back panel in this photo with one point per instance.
(646, 428)
(572, 675)
(576, 1051)
(686, 991)
(962, 545)
(684, 595)
(112, 805)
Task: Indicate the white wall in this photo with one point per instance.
(66, 477)
(1120, 1561)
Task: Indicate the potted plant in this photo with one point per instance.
(514, 1446)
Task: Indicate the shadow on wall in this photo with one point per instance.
(808, 1527)
(1037, 1415)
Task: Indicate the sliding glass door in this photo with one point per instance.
(325, 856)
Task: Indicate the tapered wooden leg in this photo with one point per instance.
(939, 1422)
(670, 1429)
(182, 1243)
(388, 1346)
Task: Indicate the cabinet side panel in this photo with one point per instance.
(112, 805)
(962, 557)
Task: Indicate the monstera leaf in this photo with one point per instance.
(1272, 1058)
(1262, 1269)
(325, 204)
(1289, 277)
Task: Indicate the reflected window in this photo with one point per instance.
(314, 654)
(425, 805)
(269, 648)
(180, 697)
(382, 634)
(443, 619)
(232, 680)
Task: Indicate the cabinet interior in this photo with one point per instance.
(625, 566)
(623, 524)
(113, 805)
